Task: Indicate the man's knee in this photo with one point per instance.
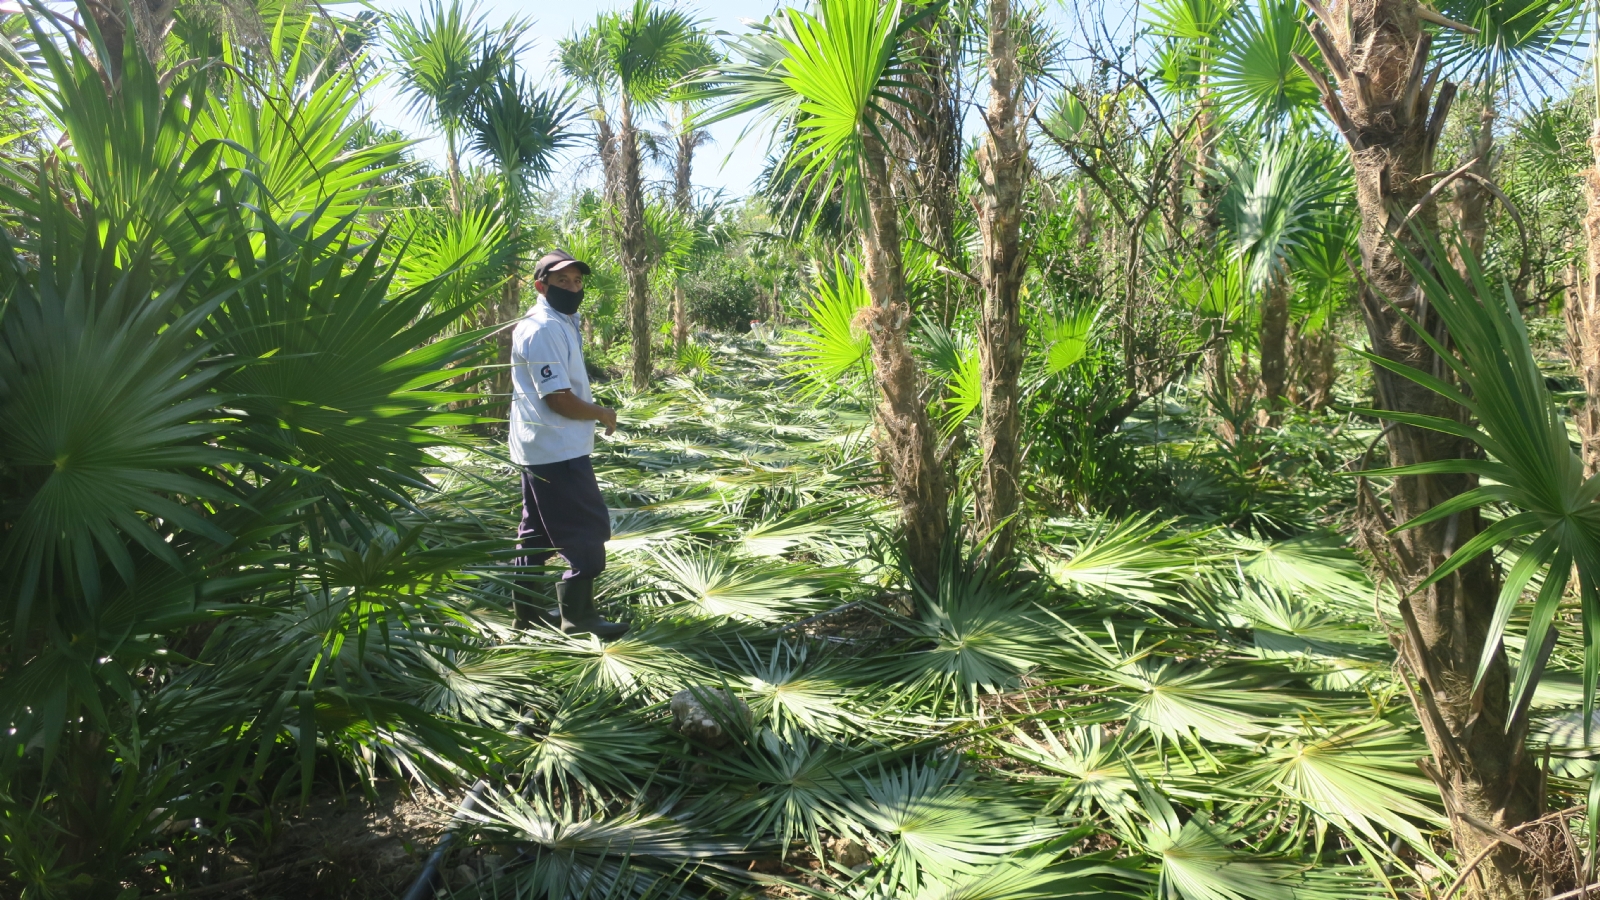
(585, 561)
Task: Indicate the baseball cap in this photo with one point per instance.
(556, 260)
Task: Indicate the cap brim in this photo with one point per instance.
(582, 266)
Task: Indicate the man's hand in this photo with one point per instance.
(565, 403)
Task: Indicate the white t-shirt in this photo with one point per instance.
(547, 355)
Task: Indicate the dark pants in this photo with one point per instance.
(563, 512)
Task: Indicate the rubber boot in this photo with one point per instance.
(531, 610)
(576, 597)
(529, 614)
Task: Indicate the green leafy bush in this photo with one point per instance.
(722, 294)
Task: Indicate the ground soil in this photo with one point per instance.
(347, 848)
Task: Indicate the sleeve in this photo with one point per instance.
(542, 353)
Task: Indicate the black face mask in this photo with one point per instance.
(562, 300)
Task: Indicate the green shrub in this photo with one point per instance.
(722, 295)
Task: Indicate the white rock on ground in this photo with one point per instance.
(695, 720)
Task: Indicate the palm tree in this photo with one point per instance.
(827, 79)
(1192, 31)
(1004, 167)
(1277, 204)
(632, 58)
(687, 138)
(1199, 38)
(1256, 87)
(521, 129)
(445, 60)
(1382, 100)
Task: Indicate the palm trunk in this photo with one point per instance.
(1378, 52)
(1274, 346)
(908, 448)
(1003, 168)
(453, 168)
(606, 145)
(634, 267)
(926, 155)
(144, 24)
(1311, 367)
(932, 138)
(1583, 317)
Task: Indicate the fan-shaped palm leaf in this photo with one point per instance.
(975, 636)
(758, 590)
(1360, 778)
(592, 741)
(576, 856)
(1130, 558)
(1090, 765)
(445, 57)
(828, 77)
(299, 140)
(835, 348)
(521, 128)
(1277, 202)
(933, 826)
(1520, 44)
(1255, 73)
(650, 48)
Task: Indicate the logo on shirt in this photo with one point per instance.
(546, 374)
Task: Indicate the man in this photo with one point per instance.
(553, 415)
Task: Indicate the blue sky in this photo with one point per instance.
(728, 163)
(720, 165)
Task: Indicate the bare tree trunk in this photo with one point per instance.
(1470, 201)
(500, 382)
(1378, 52)
(683, 199)
(908, 448)
(635, 267)
(1214, 367)
(1583, 317)
(1003, 166)
(1274, 346)
(680, 314)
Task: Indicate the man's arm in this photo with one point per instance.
(565, 403)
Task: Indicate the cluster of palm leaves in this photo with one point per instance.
(220, 387)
